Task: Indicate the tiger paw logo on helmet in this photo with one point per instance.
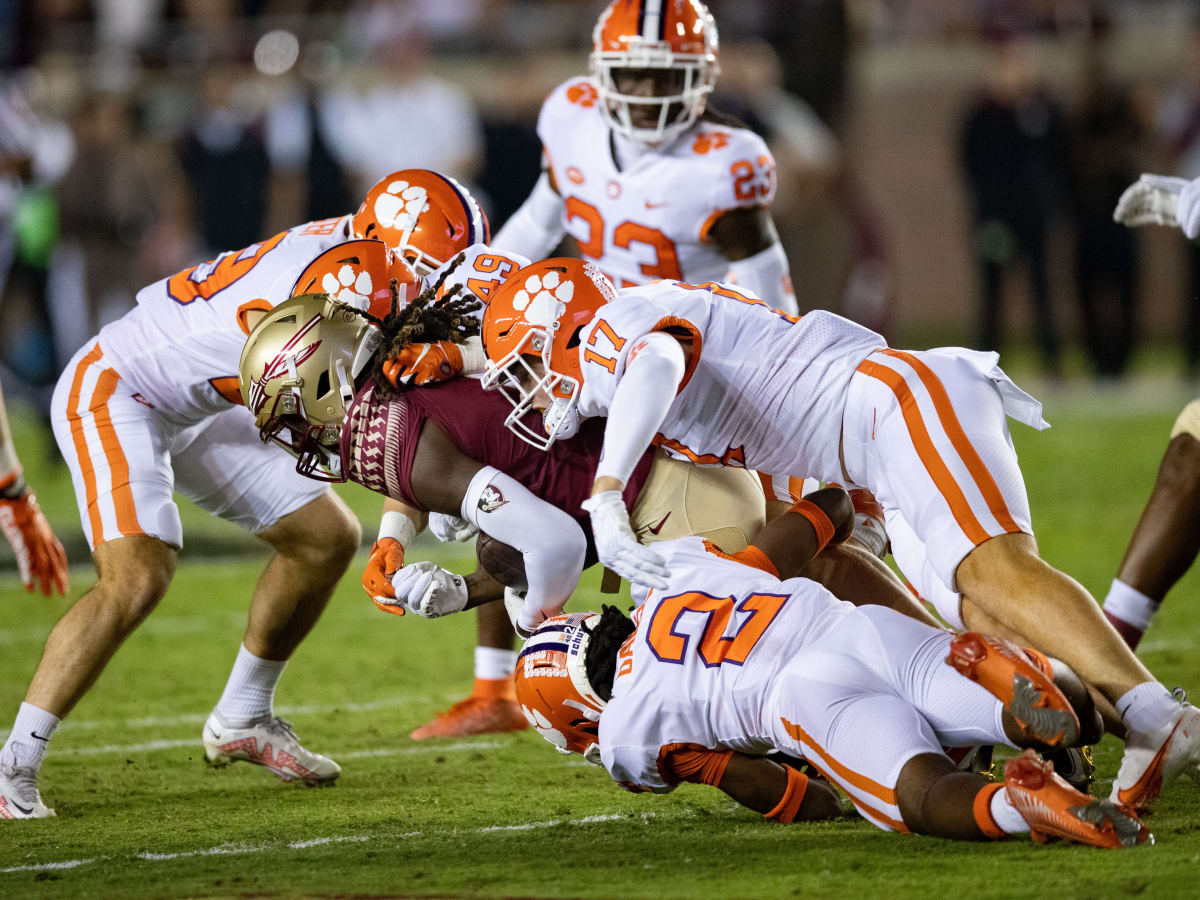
(540, 297)
(542, 726)
(399, 206)
(349, 288)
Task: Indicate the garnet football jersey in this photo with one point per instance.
(650, 221)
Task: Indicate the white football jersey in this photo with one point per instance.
(701, 668)
(650, 221)
(179, 347)
(762, 389)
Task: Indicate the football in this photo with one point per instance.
(502, 562)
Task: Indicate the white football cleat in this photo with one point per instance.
(1155, 758)
(268, 742)
(19, 797)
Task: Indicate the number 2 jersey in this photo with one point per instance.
(762, 389)
(700, 670)
(179, 347)
(652, 219)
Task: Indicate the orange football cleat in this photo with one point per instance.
(1021, 684)
(491, 708)
(1054, 809)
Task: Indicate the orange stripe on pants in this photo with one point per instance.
(934, 465)
(958, 437)
(81, 451)
(118, 466)
(838, 772)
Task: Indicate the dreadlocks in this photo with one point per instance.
(424, 319)
(600, 659)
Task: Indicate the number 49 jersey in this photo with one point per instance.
(701, 667)
(650, 221)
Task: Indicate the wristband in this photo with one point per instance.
(981, 809)
(789, 804)
(395, 524)
(474, 360)
(818, 519)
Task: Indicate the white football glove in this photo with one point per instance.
(1161, 200)
(451, 528)
(428, 590)
(524, 624)
(616, 545)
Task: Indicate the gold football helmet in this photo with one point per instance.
(297, 376)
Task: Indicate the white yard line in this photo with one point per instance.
(198, 718)
(245, 849)
(353, 754)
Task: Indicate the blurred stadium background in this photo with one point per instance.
(140, 136)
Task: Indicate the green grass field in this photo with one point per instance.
(139, 815)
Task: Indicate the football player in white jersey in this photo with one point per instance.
(715, 376)
(151, 405)
(647, 182)
(735, 657)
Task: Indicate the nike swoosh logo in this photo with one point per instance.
(17, 806)
(657, 528)
(38, 737)
(1146, 789)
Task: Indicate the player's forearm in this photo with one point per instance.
(551, 543)
(640, 403)
(766, 275)
(10, 465)
(537, 226)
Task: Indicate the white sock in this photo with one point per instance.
(250, 692)
(1005, 815)
(1130, 605)
(494, 664)
(1147, 706)
(30, 736)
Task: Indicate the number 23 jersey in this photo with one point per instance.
(652, 220)
(701, 668)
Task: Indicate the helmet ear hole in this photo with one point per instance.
(323, 383)
(576, 337)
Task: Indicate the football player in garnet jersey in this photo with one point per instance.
(716, 376)
(443, 449)
(734, 657)
(649, 182)
(150, 405)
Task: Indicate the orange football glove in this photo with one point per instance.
(420, 364)
(39, 553)
(387, 558)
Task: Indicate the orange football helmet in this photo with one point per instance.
(678, 38)
(539, 312)
(359, 274)
(553, 688)
(425, 217)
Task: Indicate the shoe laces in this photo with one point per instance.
(280, 725)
